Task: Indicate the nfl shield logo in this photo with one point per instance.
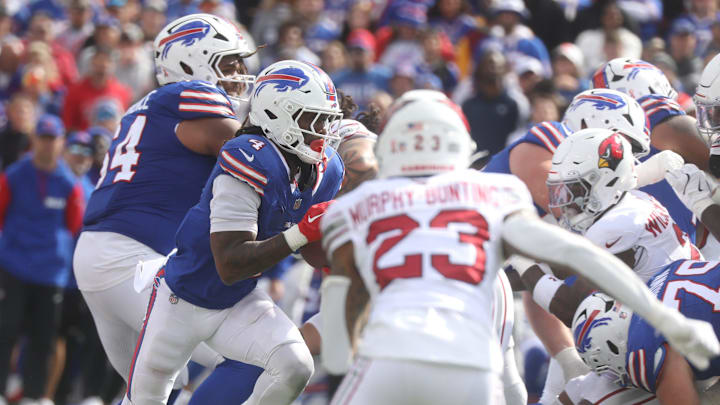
(173, 299)
(297, 204)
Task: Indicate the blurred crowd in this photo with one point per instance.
(70, 68)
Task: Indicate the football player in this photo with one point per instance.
(154, 171)
(423, 243)
(263, 200)
(529, 158)
(670, 128)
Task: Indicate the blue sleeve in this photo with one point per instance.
(646, 352)
(659, 108)
(547, 134)
(196, 99)
(241, 158)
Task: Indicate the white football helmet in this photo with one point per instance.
(600, 330)
(610, 109)
(591, 170)
(296, 105)
(426, 135)
(191, 47)
(634, 77)
(707, 101)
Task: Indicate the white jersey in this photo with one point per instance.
(641, 224)
(600, 389)
(428, 251)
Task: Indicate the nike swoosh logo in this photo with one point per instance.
(312, 219)
(609, 245)
(249, 158)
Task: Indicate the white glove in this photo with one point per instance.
(694, 339)
(653, 170)
(692, 187)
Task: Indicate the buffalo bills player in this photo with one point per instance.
(154, 172)
(615, 341)
(262, 201)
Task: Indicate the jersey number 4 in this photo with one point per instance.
(412, 263)
(125, 156)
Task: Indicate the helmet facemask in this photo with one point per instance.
(231, 72)
(708, 120)
(573, 198)
(311, 130)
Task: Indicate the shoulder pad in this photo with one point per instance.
(247, 159)
(548, 134)
(659, 108)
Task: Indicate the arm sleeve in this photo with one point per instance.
(5, 196)
(234, 206)
(542, 242)
(199, 100)
(335, 229)
(75, 209)
(659, 108)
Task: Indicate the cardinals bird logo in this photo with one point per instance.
(611, 152)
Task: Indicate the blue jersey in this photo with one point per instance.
(191, 273)
(149, 179)
(658, 109)
(692, 288)
(546, 134)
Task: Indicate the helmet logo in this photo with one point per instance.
(186, 35)
(582, 339)
(283, 79)
(636, 67)
(611, 152)
(601, 101)
(330, 92)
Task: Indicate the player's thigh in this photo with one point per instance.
(172, 330)
(254, 327)
(400, 382)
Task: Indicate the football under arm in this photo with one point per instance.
(233, 230)
(524, 233)
(344, 299)
(206, 136)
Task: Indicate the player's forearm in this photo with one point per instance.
(238, 259)
(357, 300)
(680, 135)
(711, 219)
(359, 161)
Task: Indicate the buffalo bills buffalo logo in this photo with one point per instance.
(600, 101)
(282, 79)
(186, 35)
(611, 152)
(582, 330)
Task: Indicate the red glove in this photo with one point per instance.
(310, 224)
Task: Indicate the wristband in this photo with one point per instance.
(294, 238)
(545, 290)
(571, 363)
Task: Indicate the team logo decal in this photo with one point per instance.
(600, 101)
(637, 67)
(283, 79)
(611, 152)
(186, 35)
(582, 338)
(328, 85)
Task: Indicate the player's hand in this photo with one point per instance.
(653, 170)
(692, 187)
(694, 339)
(310, 224)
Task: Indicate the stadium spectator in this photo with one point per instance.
(318, 27)
(39, 79)
(400, 43)
(99, 83)
(362, 78)
(268, 19)
(152, 18)
(41, 208)
(106, 35)
(15, 138)
(334, 59)
(79, 27)
(434, 63)
(702, 14)
(568, 75)
(135, 67)
(593, 41)
(101, 138)
(41, 29)
(290, 45)
(493, 115)
(683, 42)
